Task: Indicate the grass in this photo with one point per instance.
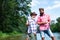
(12, 36)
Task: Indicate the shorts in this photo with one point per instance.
(48, 32)
(31, 36)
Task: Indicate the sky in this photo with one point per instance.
(52, 7)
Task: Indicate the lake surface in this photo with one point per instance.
(57, 36)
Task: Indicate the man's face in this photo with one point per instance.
(33, 16)
(41, 11)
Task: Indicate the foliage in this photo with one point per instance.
(10, 18)
(58, 24)
(55, 27)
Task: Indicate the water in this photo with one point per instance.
(57, 36)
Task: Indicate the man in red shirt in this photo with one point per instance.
(44, 22)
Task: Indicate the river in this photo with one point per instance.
(57, 36)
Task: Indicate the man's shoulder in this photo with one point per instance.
(29, 18)
(47, 14)
(38, 17)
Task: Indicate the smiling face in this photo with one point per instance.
(33, 15)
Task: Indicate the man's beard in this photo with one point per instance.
(41, 14)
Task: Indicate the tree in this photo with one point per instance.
(58, 19)
(10, 18)
(24, 11)
(58, 24)
(53, 26)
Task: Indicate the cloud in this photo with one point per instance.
(44, 2)
(34, 3)
(56, 5)
(38, 2)
(56, 2)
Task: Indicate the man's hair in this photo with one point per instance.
(41, 9)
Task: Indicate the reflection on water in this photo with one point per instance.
(57, 36)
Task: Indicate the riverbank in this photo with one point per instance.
(21, 36)
(12, 36)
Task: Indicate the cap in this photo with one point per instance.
(33, 13)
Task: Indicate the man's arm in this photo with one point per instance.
(27, 23)
(49, 20)
(41, 23)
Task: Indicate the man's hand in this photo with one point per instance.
(42, 23)
(27, 24)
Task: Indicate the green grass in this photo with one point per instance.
(12, 36)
